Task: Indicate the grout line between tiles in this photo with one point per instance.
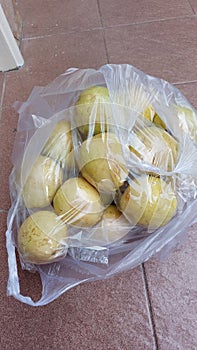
(103, 32)
(150, 313)
(100, 13)
(185, 82)
(191, 6)
(21, 35)
(151, 21)
(2, 94)
(61, 33)
(107, 27)
(105, 44)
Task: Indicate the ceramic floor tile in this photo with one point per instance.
(119, 315)
(1, 85)
(4, 269)
(46, 58)
(134, 11)
(173, 292)
(165, 49)
(46, 17)
(110, 314)
(193, 4)
(8, 125)
(190, 92)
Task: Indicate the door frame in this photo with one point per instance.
(10, 55)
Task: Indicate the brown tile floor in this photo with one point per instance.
(153, 306)
(193, 4)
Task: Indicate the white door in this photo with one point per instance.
(10, 56)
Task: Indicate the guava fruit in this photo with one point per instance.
(149, 201)
(93, 111)
(112, 227)
(42, 238)
(150, 114)
(101, 162)
(44, 179)
(78, 203)
(59, 144)
(155, 146)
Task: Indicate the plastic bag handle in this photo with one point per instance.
(13, 287)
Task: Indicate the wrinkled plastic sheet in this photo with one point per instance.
(91, 254)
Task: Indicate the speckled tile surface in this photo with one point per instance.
(166, 49)
(8, 126)
(62, 16)
(193, 4)
(152, 307)
(173, 292)
(123, 12)
(47, 57)
(1, 86)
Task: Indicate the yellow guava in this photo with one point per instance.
(150, 114)
(93, 110)
(155, 146)
(42, 238)
(101, 162)
(59, 144)
(78, 203)
(112, 227)
(42, 183)
(149, 201)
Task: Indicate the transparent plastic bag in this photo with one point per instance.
(104, 177)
